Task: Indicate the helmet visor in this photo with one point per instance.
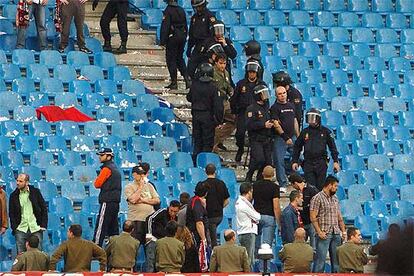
(313, 118)
(216, 48)
(218, 29)
(252, 67)
(264, 93)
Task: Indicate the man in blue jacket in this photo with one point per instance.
(291, 218)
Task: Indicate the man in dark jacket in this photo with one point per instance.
(27, 212)
(291, 219)
(109, 181)
(156, 229)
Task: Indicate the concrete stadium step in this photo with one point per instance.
(142, 58)
(95, 26)
(134, 39)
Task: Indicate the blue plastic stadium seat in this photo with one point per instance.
(205, 158)
(273, 63)
(359, 193)
(229, 17)
(350, 209)
(136, 115)
(165, 145)
(111, 141)
(375, 208)
(347, 133)
(162, 115)
(324, 63)
(104, 59)
(338, 34)
(348, 20)
(123, 130)
(352, 91)
(126, 159)
(23, 57)
(385, 6)
(274, 18)
(369, 178)
(402, 208)
(95, 129)
(3, 58)
(27, 144)
(322, 89)
(373, 133)
(395, 178)
(92, 72)
(407, 36)
(171, 175)
(24, 114)
(313, 33)
(84, 173)
(8, 41)
(51, 86)
(108, 114)
(180, 160)
(404, 162)
(57, 174)
(324, 19)
(36, 99)
(61, 206)
(350, 63)
(215, 5)
(148, 102)
(66, 100)
(407, 193)
(362, 35)
(138, 144)
(389, 147)
(152, 18)
(92, 101)
(363, 148)
(353, 162)
(364, 77)
(74, 190)
(332, 119)
(290, 34)
(385, 193)
(358, 6)
(155, 159)
(250, 18)
(317, 102)
(23, 85)
(49, 190)
(240, 34)
(119, 73)
(310, 5)
(367, 225)
(37, 72)
(285, 5)
(309, 49)
(399, 64)
(385, 50)
(387, 36)
(93, 44)
(334, 5)
(396, 21)
(299, 18)
(261, 5)
(105, 87)
(82, 143)
(361, 50)
(67, 129)
(69, 158)
(133, 87)
(394, 105)
(265, 34)
(283, 49)
(406, 119)
(333, 49)
(343, 148)
(337, 77)
(11, 128)
(42, 159)
(379, 91)
(379, 163)
(374, 63)
(120, 101)
(64, 72)
(409, 77)
(150, 130)
(404, 6)
(342, 104)
(372, 20)
(5, 144)
(9, 72)
(367, 104)
(298, 63)
(77, 59)
(357, 118)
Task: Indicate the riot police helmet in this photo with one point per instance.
(198, 3)
(261, 93)
(215, 49)
(282, 78)
(313, 117)
(252, 66)
(205, 72)
(252, 47)
(218, 28)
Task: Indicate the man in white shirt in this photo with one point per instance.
(246, 220)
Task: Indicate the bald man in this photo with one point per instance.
(286, 128)
(229, 257)
(297, 256)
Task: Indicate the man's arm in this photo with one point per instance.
(57, 255)
(43, 207)
(102, 177)
(18, 264)
(341, 223)
(276, 210)
(296, 127)
(363, 257)
(165, 28)
(297, 148)
(99, 254)
(200, 230)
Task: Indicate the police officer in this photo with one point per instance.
(206, 109)
(241, 99)
(259, 125)
(200, 30)
(33, 259)
(252, 50)
(294, 96)
(173, 36)
(118, 8)
(313, 140)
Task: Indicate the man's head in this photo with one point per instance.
(229, 235)
(282, 78)
(174, 208)
(297, 181)
(261, 93)
(252, 68)
(22, 181)
(138, 173)
(220, 61)
(268, 172)
(201, 190)
(394, 230)
(281, 94)
(211, 170)
(32, 242)
(199, 5)
(171, 228)
(331, 185)
(300, 234)
(184, 198)
(75, 231)
(252, 76)
(146, 167)
(246, 190)
(296, 198)
(105, 154)
(354, 235)
(128, 226)
(313, 117)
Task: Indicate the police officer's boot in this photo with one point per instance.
(107, 46)
(249, 176)
(172, 86)
(239, 154)
(122, 49)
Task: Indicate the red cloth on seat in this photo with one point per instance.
(54, 113)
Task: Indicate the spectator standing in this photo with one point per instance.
(266, 195)
(37, 9)
(4, 220)
(146, 167)
(156, 229)
(351, 255)
(73, 9)
(109, 183)
(191, 263)
(308, 192)
(170, 253)
(33, 259)
(78, 253)
(247, 219)
(182, 213)
(282, 113)
(217, 198)
(297, 256)
(122, 250)
(141, 197)
(118, 8)
(291, 219)
(27, 212)
(325, 215)
(229, 257)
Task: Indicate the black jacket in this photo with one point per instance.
(174, 24)
(38, 204)
(111, 189)
(156, 223)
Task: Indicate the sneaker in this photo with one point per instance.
(61, 50)
(85, 50)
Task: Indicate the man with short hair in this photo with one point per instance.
(308, 192)
(27, 212)
(351, 255)
(156, 229)
(325, 215)
(217, 198)
(109, 183)
(33, 259)
(247, 219)
(266, 195)
(297, 256)
(122, 250)
(181, 216)
(78, 253)
(147, 170)
(291, 218)
(170, 253)
(229, 257)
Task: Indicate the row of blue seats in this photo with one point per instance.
(381, 193)
(376, 228)
(373, 178)
(359, 6)
(379, 162)
(366, 148)
(376, 134)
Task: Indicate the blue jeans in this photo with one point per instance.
(310, 232)
(248, 241)
(279, 151)
(150, 256)
(331, 242)
(22, 237)
(38, 11)
(266, 231)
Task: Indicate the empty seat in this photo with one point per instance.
(80, 87)
(108, 115)
(369, 178)
(119, 73)
(11, 128)
(379, 91)
(289, 33)
(407, 193)
(350, 209)
(240, 34)
(348, 20)
(126, 159)
(50, 58)
(394, 105)
(25, 114)
(382, 6)
(387, 36)
(404, 162)
(298, 63)
(324, 63)
(205, 158)
(273, 63)
(49, 190)
(152, 18)
(406, 119)
(385, 193)
(309, 49)
(357, 118)
(120, 101)
(373, 133)
(395, 178)
(65, 73)
(74, 190)
(265, 34)
(150, 130)
(51, 86)
(23, 85)
(361, 50)
(123, 130)
(402, 208)
(379, 162)
(23, 57)
(337, 77)
(180, 160)
(136, 115)
(61, 206)
(353, 162)
(9, 72)
(27, 144)
(318, 103)
(404, 6)
(385, 50)
(299, 18)
(372, 20)
(274, 18)
(359, 193)
(229, 17)
(350, 63)
(69, 158)
(40, 128)
(155, 159)
(376, 209)
(324, 19)
(367, 225)
(407, 36)
(374, 63)
(352, 91)
(37, 72)
(363, 148)
(66, 100)
(77, 59)
(92, 72)
(95, 129)
(148, 102)
(104, 59)
(364, 77)
(162, 115)
(57, 174)
(332, 119)
(322, 89)
(399, 64)
(389, 147)
(54, 144)
(342, 104)
(338, 34)
(283, 49)
(165, 145)
(347, 133)
(333, 49)
(396, 21)
(367, 104)
(362, 35)
(82, 143)
(138, 144)
(112, 141)
(250, 18)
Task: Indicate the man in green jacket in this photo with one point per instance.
(170, 252)
(32, 259)
(297, 256)
(351, 255)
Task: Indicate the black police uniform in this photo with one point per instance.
(207, 113)
(294, 96)
(260, 139)
(173, 35)
(315, 164)
(200, 30)
(241, 99)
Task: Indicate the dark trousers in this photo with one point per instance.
(203, 132)
(315, 172)
(260, 156)
(195, 59)
(240, 130)
(139, 231)
(213, 223)
(120, 10)
(107, 222)
(174, 57)
(77, 10)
